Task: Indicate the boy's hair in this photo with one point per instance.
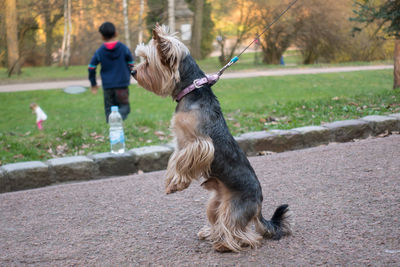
(107, 30)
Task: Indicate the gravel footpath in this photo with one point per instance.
(345, 201)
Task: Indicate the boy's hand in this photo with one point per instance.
(94, 89)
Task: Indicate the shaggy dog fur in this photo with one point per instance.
(205, 148)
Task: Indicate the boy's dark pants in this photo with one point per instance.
(117, 97)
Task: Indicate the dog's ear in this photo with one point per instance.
(164, 44)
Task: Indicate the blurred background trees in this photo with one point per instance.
(321, 31)
(385, 16)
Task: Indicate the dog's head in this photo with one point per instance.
(159, 72)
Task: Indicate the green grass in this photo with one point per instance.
(76, 123)
(209, 65)
(39, 74)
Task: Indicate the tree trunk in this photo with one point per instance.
(64, 41)
(272, 55)
(126, 23)
(12, 37)
(69, 32)
(396, 72)
(50, 19)
(197, 25)
(171, 15)
(49, 38)
(141, 10)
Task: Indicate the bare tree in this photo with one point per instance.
(280, 36)
(64, 41)
(171, 15)
(396, 71)
(52, 11)
(141, 10)
(66, 44)
(387, 14)
(126, 23)
(68, 52)
(241, 24)
(322, 29)
(195, 43)
(12, 37)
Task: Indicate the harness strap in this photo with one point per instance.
(209, 79)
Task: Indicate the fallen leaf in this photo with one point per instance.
(61, 149)
(159, 133)
(385, 134)
(145, 129)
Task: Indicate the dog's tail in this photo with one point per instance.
(278, 226)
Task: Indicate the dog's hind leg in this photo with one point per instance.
(193, 156)
(232, 231)
(211, 184)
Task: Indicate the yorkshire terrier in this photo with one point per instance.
(206, 148)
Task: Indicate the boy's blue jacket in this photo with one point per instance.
(115, 66)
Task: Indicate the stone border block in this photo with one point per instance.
(285, 140)
(152, 158)
(380, 124)
(344, 131)
(72, 169)
(109, 164)
(396, 116)
(246, 145)
(314, 135)
(26, 175)
(274, 140)
(4, 184)
(252, 142)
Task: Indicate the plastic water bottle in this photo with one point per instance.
(117, 139)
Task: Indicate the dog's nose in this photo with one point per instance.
(133, 73)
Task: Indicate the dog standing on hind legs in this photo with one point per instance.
(205, 148)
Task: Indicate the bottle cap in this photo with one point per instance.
(114, 108)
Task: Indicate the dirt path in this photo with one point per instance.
(344, 199)
(227, 75)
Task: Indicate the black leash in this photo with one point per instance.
(233, 60)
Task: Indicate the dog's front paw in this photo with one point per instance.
(174, 187)
(221, 247)
(204, 233)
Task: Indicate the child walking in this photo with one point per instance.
(40, 115)
(116, 62)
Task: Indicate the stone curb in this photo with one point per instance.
(33, 174)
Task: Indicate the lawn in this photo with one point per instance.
(76, 123)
